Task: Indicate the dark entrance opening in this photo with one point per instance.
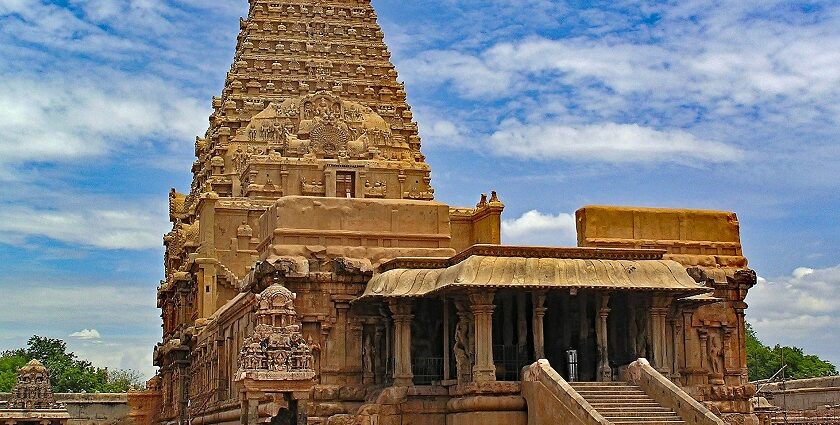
(427, 341)
(513, 337)
(570, 325)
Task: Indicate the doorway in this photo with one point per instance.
(345, 184)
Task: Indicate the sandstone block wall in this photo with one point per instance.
(90, 409)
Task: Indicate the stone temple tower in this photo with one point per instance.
(311, 106)
(309, 176)
(312, 277)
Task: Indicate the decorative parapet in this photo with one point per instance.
(551, 400)
(669, 395)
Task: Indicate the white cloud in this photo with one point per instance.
(86, 334)
(55, 118)
(94, 225)
(608, 142)
(792, 310)
(537, 228)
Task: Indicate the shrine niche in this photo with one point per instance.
(32, 400)
(276, 350)
(320, 126)
(33, 390)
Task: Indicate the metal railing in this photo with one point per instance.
(509, 360)
(427, 370)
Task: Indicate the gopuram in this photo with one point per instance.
(32, 401)
(311, 277)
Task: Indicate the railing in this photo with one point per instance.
(427, 370)
(669, 395)
(509, 360)
(551, 400)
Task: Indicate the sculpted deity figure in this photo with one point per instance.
(716, 355)
(368, 353)
(463, 349)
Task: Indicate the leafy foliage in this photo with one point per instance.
(764, 361)
(68, 372)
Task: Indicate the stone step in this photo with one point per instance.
(618, 398)
(636, 403)
(625, 414)
(586, 393)
(587, 383)
(625, 404)
(640, 409)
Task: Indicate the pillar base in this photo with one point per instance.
(484, 375)
(403, 381)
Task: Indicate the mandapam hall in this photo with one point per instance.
(312, 277)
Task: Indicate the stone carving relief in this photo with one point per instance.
(378, 189)
(276, 348)
(464, 343)
(321, 126)
(315, 188)
(715, 354)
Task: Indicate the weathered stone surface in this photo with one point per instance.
(310, 183)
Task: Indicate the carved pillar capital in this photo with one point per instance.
(480, 298)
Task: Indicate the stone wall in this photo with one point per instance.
(804, 394)
(90, 409)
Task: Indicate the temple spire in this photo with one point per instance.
(311, 80)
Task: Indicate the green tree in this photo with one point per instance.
(68, 372)
(764, 361)
(9, 364)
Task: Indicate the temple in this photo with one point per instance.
(312, 277)
(32, 401)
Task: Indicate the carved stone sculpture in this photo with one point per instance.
(33, 390)
(276, 345)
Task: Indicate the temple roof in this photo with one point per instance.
(488, 271)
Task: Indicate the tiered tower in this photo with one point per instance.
(311, 90)
(311, 167)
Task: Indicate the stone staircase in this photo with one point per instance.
(623, 403)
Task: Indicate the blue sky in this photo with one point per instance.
(729, 105)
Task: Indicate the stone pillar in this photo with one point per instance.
(729, 355)
(742, 343)
(339, 334)
(658, 312)
(481, 305)
(677, 343)
(604, 370)
(401, 312)
(329, 183)
(538, 301)
(447, 374)
(378, 342)
(704, 346)
(250, 405)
